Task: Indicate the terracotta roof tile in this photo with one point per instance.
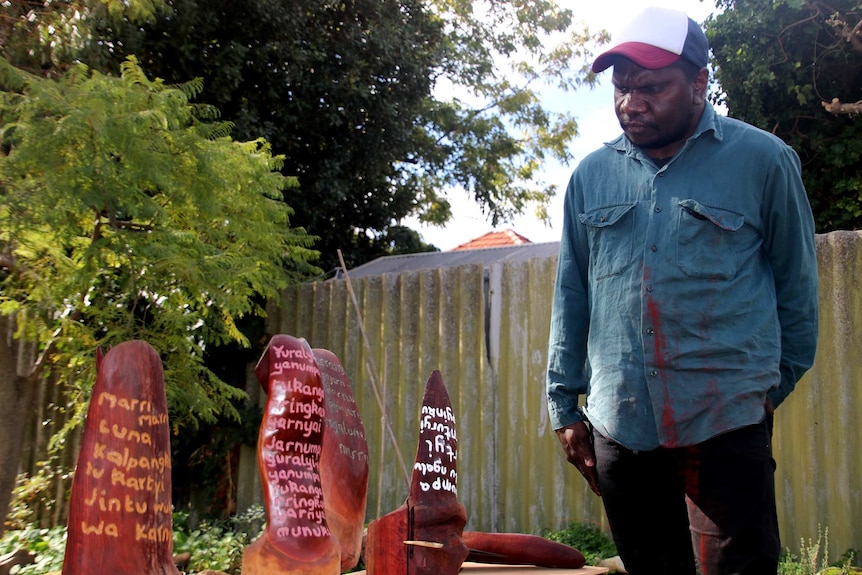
(494, 240)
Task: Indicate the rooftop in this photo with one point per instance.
(435, 260)
(494, 240)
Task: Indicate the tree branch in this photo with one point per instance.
(838, 107)
(850, 34)
(117, 224)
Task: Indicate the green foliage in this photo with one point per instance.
(382, 108)
(205, 461)
(217, 545)
(44, 37)
(48, 545)
(813, 558)
(126, 213)
(588, 538)
(31, 492)
(775, 63)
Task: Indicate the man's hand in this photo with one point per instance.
(575, 439)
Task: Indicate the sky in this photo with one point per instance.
(593, 110)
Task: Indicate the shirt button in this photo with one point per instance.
(650, 331)
(649, 288)
(653, 373)
(653, 248)
(657, 209)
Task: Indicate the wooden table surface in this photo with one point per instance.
(487, 569)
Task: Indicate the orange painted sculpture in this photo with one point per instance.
(297, 539)
(343, 460)
(423, 536)
(120, 506)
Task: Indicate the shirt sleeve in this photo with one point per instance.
(790, 249)
(567, 376)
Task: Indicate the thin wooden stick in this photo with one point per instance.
(382, 444)
(372, 370)
(429, 544)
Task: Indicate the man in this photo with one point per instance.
(685, 310)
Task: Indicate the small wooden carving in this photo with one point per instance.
(520, 549)
(120, 506)
(343, 460)
(297, 539)
(423, 536)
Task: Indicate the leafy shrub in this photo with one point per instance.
(588, 538)
(214, 545)
(48, 545)
(217, 545)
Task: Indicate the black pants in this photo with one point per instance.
(708, 508)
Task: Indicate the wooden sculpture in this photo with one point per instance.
(297, 539)
(343, 460)
(423, 536)
(520, 549)
(120, 506)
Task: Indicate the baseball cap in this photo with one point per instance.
(655, 38)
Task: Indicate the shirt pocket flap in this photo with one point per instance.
(606, 216)
(724, 219)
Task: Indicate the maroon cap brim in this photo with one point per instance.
(644, 55)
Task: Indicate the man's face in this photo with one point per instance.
(657, 109)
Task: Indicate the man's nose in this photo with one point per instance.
(632, 103)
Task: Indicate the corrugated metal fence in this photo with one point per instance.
(486, 331)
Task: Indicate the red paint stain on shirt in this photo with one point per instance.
(668, 419)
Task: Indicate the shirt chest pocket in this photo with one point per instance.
(708, 241)
(611, 235)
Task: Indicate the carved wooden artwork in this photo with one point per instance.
(343, 460)
(423, 536)
(297, 539)
(520, 549)
(313, 462)
(120, 506)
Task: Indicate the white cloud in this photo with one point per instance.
(596, 121)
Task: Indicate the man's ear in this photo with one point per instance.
(699, 85)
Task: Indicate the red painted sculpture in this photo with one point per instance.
(423, 536)
(120, 506)
(297, 539)
(521, 549)
(343, 460)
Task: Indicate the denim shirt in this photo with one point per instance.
(686, 294)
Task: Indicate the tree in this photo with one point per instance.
(44, 38)
(126, 212)
(380, 107)
(787, 66)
